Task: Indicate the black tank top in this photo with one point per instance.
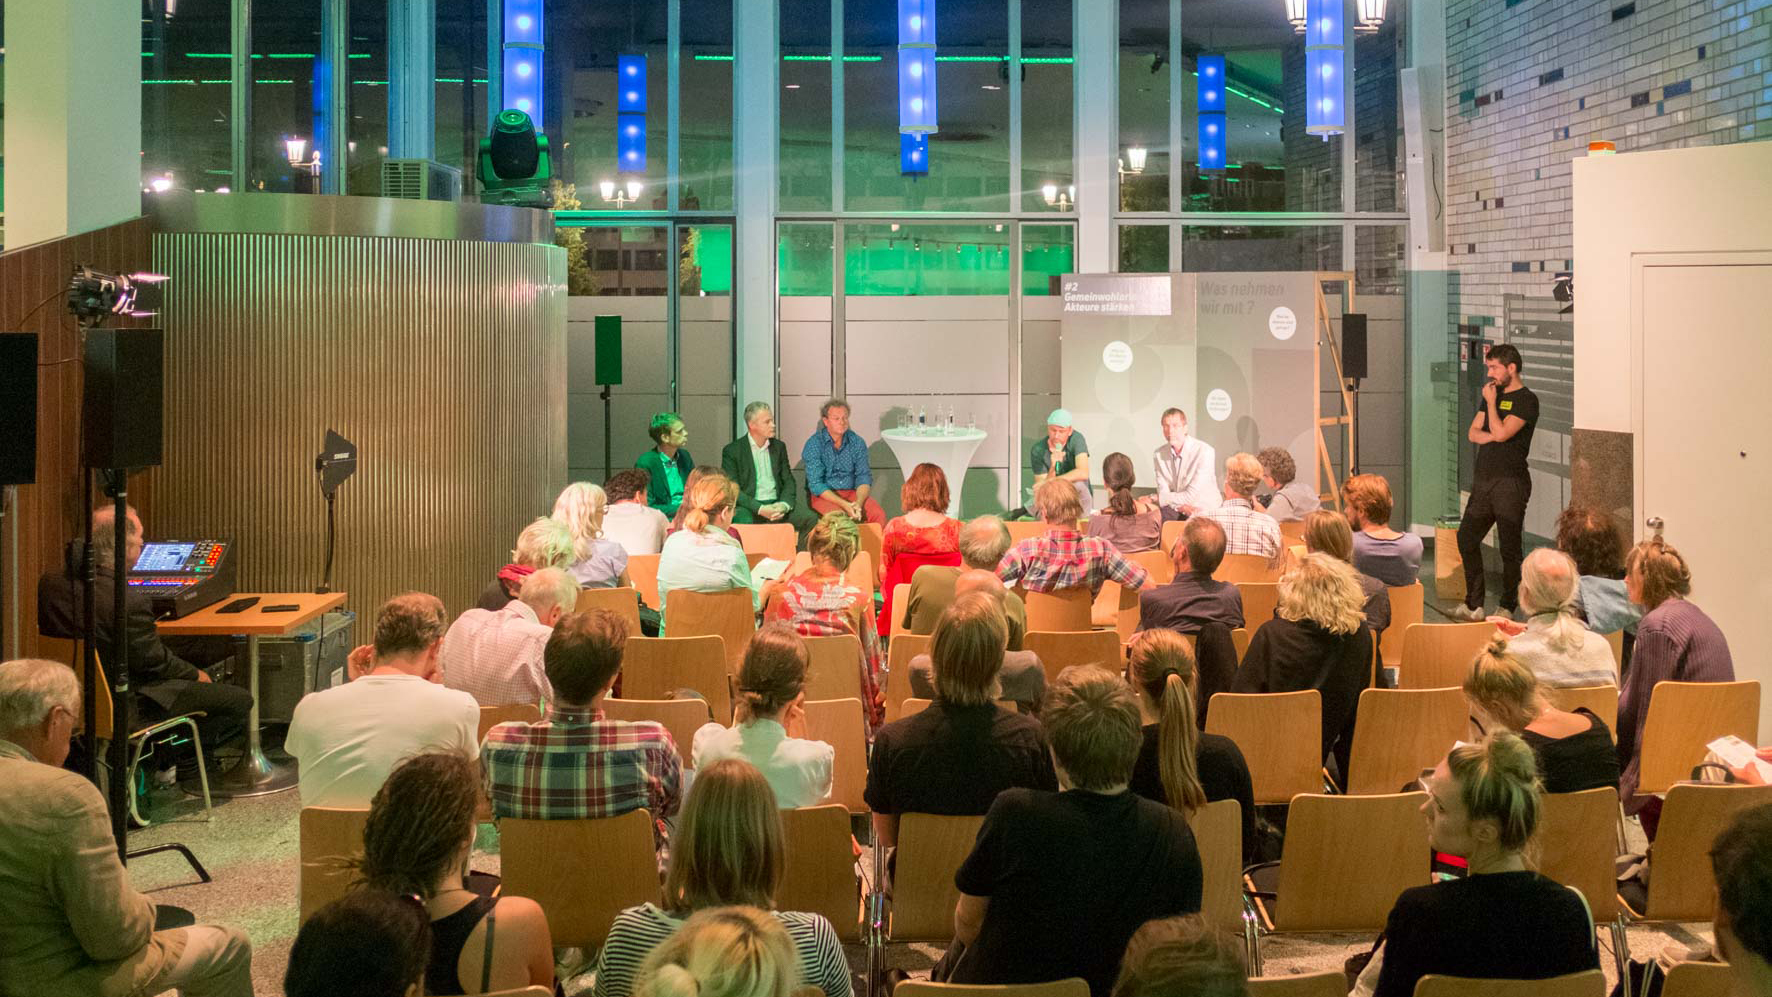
(448, 935)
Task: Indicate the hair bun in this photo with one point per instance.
(1512, 756)
(1497, 644)
(672, 980)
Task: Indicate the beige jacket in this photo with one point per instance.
(73, 924)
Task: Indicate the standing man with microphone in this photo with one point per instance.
(1502, 485)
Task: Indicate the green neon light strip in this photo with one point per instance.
(1032, 60)
(713, 58)
(260, 55)
(229, 80)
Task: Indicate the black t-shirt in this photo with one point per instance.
(1508, 458)
(1070, 877)
(954, 760)
(1587, 760)
(1218, 762)
(1498, 926)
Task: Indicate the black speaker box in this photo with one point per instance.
(18, 408)
(1353, 345)
(124, 387)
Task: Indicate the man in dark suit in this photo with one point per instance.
(759, 463)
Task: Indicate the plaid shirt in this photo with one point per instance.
(1062, 559)
(1247, 531)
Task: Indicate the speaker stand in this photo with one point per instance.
(608, 433)
(325, 585)
(1353, 426)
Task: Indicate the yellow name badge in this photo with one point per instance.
(1506, 406)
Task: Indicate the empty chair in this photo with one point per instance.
(835, 672)
(492, 716)
(1400, 732)
(1060, 650)
(1698, 979)
(895, 603)
(1438, 655)
(1600, 700)
(657, 667)
(1591, 983)
(1572, 831)
(1247, 568)
(873, 544)
(899, 653)
(776, 540)
(1218, 833)
(681, 717)
(930, 850)
(1330, 983)
(841, 724)
(729, 615)
(552, 861)
(1260, 599)
(329, 838)
(623, 602)
(1681, 886)
(1280, 735)
(1072, 987)
(1686, 716)
(643, 572)
(1059, 610)
(820, 876)
(1406, 609)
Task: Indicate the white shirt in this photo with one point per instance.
(495, 657)
(348, 738)
(765, 471)
(638, 527)
(797, 769)
(709, 561)
(1187, 478)
(1589, 663)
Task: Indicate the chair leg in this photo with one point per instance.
(1252, 937)
(174, 846)
(1621, 950)
(202, 770)
(1623, 842)
(135, 761)
(876, 925)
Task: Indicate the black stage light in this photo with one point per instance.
(514, 166)
(93, 294)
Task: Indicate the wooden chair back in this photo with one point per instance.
(1686, 716)
(1400, 732)
(1292, 531)
(1682, 887)
(821, 877)
(1698, 979)
(1588, 983)
(1348, 858)
(835, 672)
(913, 706)
(656, 667)
(104, 709)
(1615, 640)
(1600, 700)
(873, 544)
(776, 540)
(1240, 638)
(1218, 831)
(582, 872)
(1072, 987)
(681, 717)
(1260, 600)
(535, 991)
(1247, 568)
(1439, 655)
(901, 597)
(841, 724)
(899, 653)
(492, 716)
(1571, 830)
(329, 837)
(727, 615)
(1059, 610)
(860, 572)
(643, 572)
(1329, 983)
(1060, 650)
(1172, 531)
(1156, 563)
(620, 601)
(1025, 529)
(1406, 609)
(930, 850)
(1124, 613)
(1281, 737)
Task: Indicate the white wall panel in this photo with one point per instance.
(806, 357)
(919, 308)
(929, 356)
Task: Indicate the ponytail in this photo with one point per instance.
(707, 498)
(1161, 664)
(1118, 476)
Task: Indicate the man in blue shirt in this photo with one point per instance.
(837, 475)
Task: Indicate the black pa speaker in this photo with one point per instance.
(124, 383)
(18, 408)
(608, 349)
(1353, 345)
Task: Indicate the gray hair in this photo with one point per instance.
(104, 547)
(1548, 584)
(983, 542)
(546, 588)
(751, 410)
(545, 543)
(30, 688)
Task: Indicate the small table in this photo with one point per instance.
(255, 775)
(952, 453)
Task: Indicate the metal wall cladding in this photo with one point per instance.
(444, 361)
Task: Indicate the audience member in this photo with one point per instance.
(1063, 456)
(368, 943)
(1194, 598)
(74, 926)
(598, 562)
(629, 521)
(838, 478)
(925, 530)
(1246, 530)
(1590, 537)
(667, 464)
(1501, 482)
(349, 737)
(697, 473)
(1062, 558)
(1187, 470)
(416, 843)
(954, 757)
(820, 602)
(1058, 882)
(1022, 678)
(1574, 750)
(1327, 531)
(760, 465)
(1318, 639)
(703, 556)
(769, 728)
(1741, 861)
(1392, 557)
(723, 952)
(728, 850)
(1502, 921)
(1182, 957)
(1553, 641)
(983, 542)
(1290, 500)
(544, 543)
(1177, 764)
(497, 657)
(1131, 525)
(576, 762)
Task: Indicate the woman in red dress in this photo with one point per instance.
(925, 531)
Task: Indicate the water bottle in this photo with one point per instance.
(971, 423)
(922, 420)
(949, 428)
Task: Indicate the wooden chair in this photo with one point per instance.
(1172, 531)
(1591, 983)
(899, 653)
(681, 717)
(656, 667)
(535, 991)
(1681, 887)
(620, 601)
(1281, 737)
(1260, 600)
(901, 597)
(727, 615)
(1025, 529)
(1218, 831)
(104, 726)
(329, 837)
(841, 724)
(930, 850)
(1156, 563)
(1686, 716)
(1571, 827)
(1601, 700)
(643, 572)
(1060, 650)
(1399, 732)
(582, 872)
(1059, 610)
(1698, 979)
(777, 540)
(1072, 987)
(1292, 531)
(873, 544)
(1615, 640)
(1439, 655)
(1329, 983)
(836, 667)
(1406, 608)
(492, 716)
(1240, 638)
(1247, 568)
(821, 878)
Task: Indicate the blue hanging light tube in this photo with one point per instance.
(1210, 100)
(1325, 41)
(916, 84)
(520, 75)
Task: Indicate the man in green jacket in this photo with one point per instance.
(668, 463)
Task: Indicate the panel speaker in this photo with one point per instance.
(18, 408)
(608, 349)
(1353, 345)
(124, 392)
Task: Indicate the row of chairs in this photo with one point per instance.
(1687, 979)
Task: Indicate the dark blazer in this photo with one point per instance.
(735, 460)
(152, 665)
(658, 492)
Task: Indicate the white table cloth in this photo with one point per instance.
(953, 454)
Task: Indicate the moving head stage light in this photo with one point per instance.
(93, 294)
(514, 165)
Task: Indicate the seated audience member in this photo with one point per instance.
(722, 952)
(667, 464)
(1590, 537)
(925, 530)
(983, 542)
(1574, 750)
(1553, 642)
(1502, 921)
(838, 478)
(598, 561)
(496, 657)
(703, 556)
(1741, 860)
(416, 843)
(728, 850)
(576, 762)
(701, 471)
(1058, 882)
(954, 757)
(1246, 529)
(74, 926)
(1177, 764)
(1022, 677)
(1062, 558)
(1676, 642)
(368, 943)
(1063, 456)
(820, 602)
(769, 724)
(1318, 639)
(1194, 598)
(349, 737)
(1290, 499)
(760, 465)
(1392, 557)
(1181, 957)
(1187, 470)
(1326, 531)
(545, 543)
(1131, 525)
(629, 521)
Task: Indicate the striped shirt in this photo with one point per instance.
(1676, 642)
(1245, 530)
(639, 930)
(1064, 559)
